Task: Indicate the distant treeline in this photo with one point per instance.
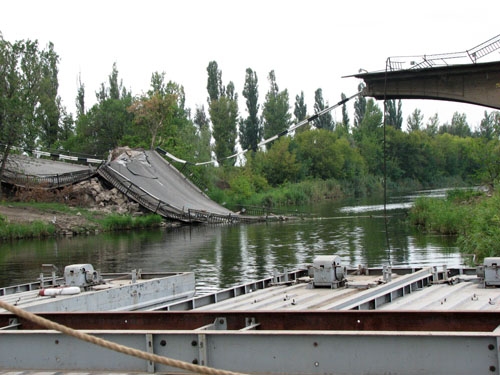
(353, 151)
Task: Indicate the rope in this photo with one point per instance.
(111, 345)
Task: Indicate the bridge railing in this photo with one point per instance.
(145, 199)
(46, 181)
(164, 209)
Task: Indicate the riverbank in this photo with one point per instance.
(86, 208)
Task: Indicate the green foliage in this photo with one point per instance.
(124, 222)
(278, 164)
(316, 149)
(29, 105)
(481, 234)
(438, 215)
(300, 111)
(325, 121)
(250, 128)
(14, 231)
(414, 121)
(224, 114)
(394, 114)
(275, 113)
(458, 126)
(469, 214)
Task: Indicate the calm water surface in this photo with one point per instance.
(222, 256)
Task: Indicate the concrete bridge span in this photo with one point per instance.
(477, 83)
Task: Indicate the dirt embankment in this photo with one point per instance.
(90, 195)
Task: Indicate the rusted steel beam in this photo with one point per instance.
(300, 320)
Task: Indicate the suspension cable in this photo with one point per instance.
(266, 141)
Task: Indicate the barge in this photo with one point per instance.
(84, 289)
(325, 319)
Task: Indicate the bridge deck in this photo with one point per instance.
(157, 185)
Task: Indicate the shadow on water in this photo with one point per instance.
(222, 256)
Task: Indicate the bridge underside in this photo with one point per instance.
(472, 83)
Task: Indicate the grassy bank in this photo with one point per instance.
(41, 220)
(36, 229)
(470, 215)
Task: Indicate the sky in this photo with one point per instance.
(309, 44)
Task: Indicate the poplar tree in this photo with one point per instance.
(324, 121)
(300, 111)
(359, 107)
(275, 114)
(250, 128)
(345, 115)
(414, 121)
(394, 115)
(223, 111)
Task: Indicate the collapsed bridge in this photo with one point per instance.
(143, 176)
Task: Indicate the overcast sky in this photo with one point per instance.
(310, 44)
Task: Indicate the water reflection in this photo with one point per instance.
(222, 256)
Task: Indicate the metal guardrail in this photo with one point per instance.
(157, 206)
(47, 181)
(443, 59)
(166, 210)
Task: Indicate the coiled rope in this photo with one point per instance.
(111, 345)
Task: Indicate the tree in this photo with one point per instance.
(155, 111)
(279, 164)
(11, 103)
(394, 115)
(368, 136)
(300, 111)
(488, 128)
(359, 107)
(345, 115)
(200, 118)
(432, 125)
(104, 126)
(29, 105)
(324, 121)
(223, 111)
(80, 98)
(250, 129)
(318, 154)
(49, 109)
(203, 147)
(224, 116)
(414, 121)
(458, 126)
(275, 114)
(214, 82)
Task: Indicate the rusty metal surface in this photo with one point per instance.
(301, 320)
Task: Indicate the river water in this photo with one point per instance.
(222, 256)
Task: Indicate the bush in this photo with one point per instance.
(14, 231)
(124, 222)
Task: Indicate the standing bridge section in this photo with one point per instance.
(25, 171)
(452, 77)
(472, 83)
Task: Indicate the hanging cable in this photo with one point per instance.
(384, 151)
(266, 141)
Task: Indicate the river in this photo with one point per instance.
(226, 255)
